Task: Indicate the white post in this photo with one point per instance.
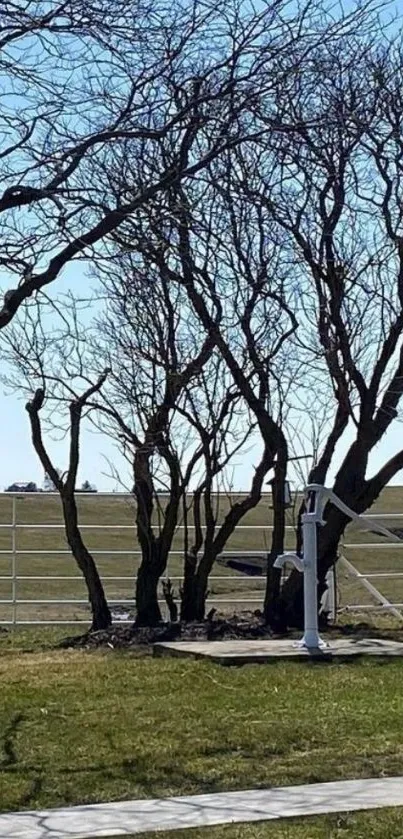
(14, 560)
(328, 603)
(311, 635)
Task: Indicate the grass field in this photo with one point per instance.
(79, 727)
(35, 510)
(377, 824)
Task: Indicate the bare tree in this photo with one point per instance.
(217, 251)
(193, 109)
(336, 197)
(66, 486)
(213, 408)
(178, 414)
(92, 90)
(163, 94)
(155, 351)
(173, 242)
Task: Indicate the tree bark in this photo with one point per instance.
(154, 550)
(196, 582)
(148, 610)
(201, 591)
(273, 579)
(101, 616)
(188, 591)
(194, 592)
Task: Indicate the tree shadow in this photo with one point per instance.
(7, 744)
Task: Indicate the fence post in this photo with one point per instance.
(14, 559)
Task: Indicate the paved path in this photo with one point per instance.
(266, 651)
(124, 817)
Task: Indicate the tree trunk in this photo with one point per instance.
(169, 594)
(273, 584)
(101, 616)
(148, 610)
(194, 599)
(188, 591)
(273, 580)
(151, 566)
(289, 606)
(195, 588)
(200, 593)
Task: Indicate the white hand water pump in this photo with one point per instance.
(316, 498)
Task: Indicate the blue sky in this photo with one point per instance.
(19, 462)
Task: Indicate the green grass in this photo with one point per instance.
(32, 639)
(376, 824)
(80, 727)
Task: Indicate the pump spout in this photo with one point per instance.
(295, 560)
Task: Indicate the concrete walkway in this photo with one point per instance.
(238, 652)
(125, 817)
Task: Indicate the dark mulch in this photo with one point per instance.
(218, 628)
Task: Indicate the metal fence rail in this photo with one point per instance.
(382, 603)
(14, 578)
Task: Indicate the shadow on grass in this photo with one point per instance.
(365, 630)
(133, 775)
(7, 744)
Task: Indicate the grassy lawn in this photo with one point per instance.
(378, 824)
(81, 726)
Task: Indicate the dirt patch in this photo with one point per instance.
(247, 625)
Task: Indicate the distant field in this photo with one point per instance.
(35, 510)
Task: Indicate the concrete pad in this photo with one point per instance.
(238, 652)
(125, 817)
